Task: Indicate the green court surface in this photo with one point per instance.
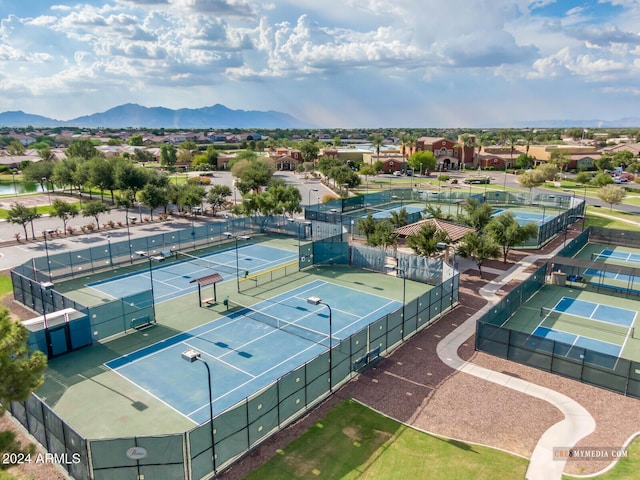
(78, 385)
(582, 318)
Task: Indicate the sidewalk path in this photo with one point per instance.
(577, 423)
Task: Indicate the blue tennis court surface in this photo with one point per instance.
(524, 217)
(578, 341)
(618, 256)
(244, 354)
(379, 214)
(596, 311)
(172, 280)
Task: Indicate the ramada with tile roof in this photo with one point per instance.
(455, 231)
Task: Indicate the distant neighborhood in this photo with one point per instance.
(387, 149)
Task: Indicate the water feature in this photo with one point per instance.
(8, 188)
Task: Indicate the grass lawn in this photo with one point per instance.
(353, 441)
(596, 221)
(625, 469)
(5, 285)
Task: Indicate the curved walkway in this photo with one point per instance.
(577, 423)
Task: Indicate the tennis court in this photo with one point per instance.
(173, 280)
(524, 216)
(250, 347)
(386, 213)
(616, 256)
(555, 326)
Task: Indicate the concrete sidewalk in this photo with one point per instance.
(577, 423)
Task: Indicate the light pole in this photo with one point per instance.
(236, 237)
(46, 248)
(13, 179)
(318, 301)
(108, 237)
(153, 301)
(312, 190)
(193, 356)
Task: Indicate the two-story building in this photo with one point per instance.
(449, 155)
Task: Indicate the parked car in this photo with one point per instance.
(397, 173)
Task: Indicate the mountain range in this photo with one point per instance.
(137, 116)
(629, 122)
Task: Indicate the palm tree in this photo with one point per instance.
(376, 141)
(404, 143)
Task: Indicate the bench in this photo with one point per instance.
(209, 301)
(166, 253)
(142, 322)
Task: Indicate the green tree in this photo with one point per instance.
(15, 148)
(136, 140)
(190, 195)
(425, 241)
(309, 150)
(367, 225)
(102, 175)
(531, 179)
(94, 209)
(479, 247)
(376, 142)
(383, 235)
(524, 161)
(252, 175)
(507, 232)
(584, 177)
(602, 179)
(45, 153)
(399, 218)
(168, 155)
(604, 163)
(82, 148)
(21, 372)
(475, 214)
(40, 172)
(549, 171)
(287, 199)
(152, 197)
(560, 158)
(130, 177)
(143, 156)
(433, 211)
(612, 195)
(22, 215)
(217, 197)
(64, 211)
(423, 161)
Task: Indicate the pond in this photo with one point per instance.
(7, 187)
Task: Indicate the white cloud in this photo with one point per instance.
(409, 55)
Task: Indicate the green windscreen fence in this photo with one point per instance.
(195, 454)
(588, 366)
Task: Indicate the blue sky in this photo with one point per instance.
(347, 63)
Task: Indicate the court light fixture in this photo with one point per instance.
(318, 301)
(191, 356)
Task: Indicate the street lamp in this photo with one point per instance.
(236, 237)
(312, 190)
(193, 356)
(318, 301)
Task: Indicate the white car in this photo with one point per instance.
(397, 173)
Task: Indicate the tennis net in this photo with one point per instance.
(597, 328)
(289, 327)
(183, 257)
